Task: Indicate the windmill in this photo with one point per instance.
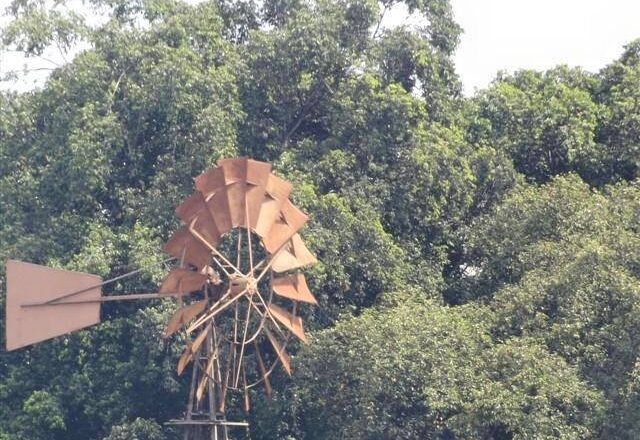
(237, 283)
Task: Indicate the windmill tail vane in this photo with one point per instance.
(237, 283)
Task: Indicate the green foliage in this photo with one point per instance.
(419, 370)
(139, 429)
(619, 128)
(478, 271)
(545, 122)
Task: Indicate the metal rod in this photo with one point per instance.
(215, 251)
(213, 313)
(102, 299)
(104, 283)
(244, 341)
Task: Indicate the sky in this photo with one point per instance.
(498, 35)
(539, 34)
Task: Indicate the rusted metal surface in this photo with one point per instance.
(290, 221)
(31, 284)
(195, 213)
(184, 315)
(183, 245)
(293, 287)
(291, 321)
(183, 281)
(277, 191)
(294, 255)
(211, 184)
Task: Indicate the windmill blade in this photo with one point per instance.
(31, 284)
(183, 281)
(289, 320)
(235, 176)
(193, 211)
(258, 174)
(262, 370)
(293, 287)
(212, 185)
(183, 244)
(294, 255)
(246, 182)
(280, 351)
(192, 349)
(291, 220)
(276, 192)
(183, 315)
(205, 378)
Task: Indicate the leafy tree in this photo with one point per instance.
(546, 122)
(419, 370)
(139, 429)
(497, 205)
(563, 268)
(619, 127)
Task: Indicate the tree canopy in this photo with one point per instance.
(479, 258)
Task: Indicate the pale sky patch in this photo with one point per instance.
(524, 34)
(498, 35)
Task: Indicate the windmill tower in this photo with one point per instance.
(237, 284)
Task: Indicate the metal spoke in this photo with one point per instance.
(211, 312)
(244, 339)
(215, 251)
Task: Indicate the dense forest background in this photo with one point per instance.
(479, 272)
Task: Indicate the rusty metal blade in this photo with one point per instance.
(182, 242)
(31, 283)
(183, 281)
(276, 192)
(212, 185)
(210, 181)
(183, 315)
(195, 213)
(257, 178)
(235, 176)
(192, 349)
(280, 351)
(294, 255)
(218, 206)
(290, 221)
(205, 378)
(258, 172)
(262, 370)
(292, 322)
(301, 251)
(293, 287)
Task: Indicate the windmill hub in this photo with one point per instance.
(239, 284)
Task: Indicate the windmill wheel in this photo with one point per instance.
(239, 251)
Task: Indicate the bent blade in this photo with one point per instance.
(294, 255)
(280, 351)
(192, 349)
(183, 315)
(182, 242)
(276, 192)
(182, 281)
(212, 185)
(194, 212)
(289, 320)
(290, 221)
(293, 287)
